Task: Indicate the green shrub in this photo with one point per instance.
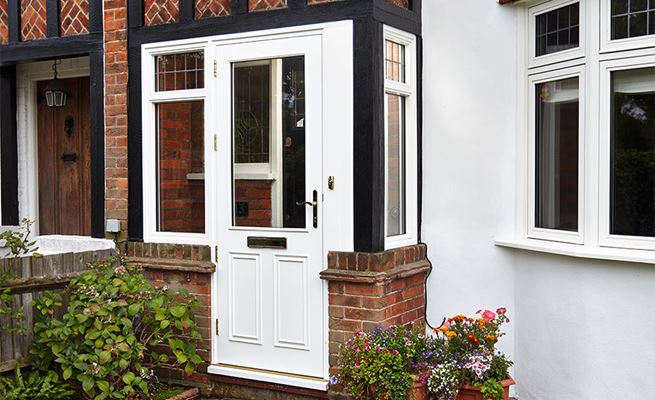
(36, 387)
(106, 343)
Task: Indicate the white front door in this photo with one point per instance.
(268, 173)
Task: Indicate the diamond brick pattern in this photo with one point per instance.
(265, 5)
(158, 12)
(74, 15)
(33, 19)
(212, 8)
(400, 3)
(4, 22)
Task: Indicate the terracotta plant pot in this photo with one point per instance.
(419, 390)
(468, 392)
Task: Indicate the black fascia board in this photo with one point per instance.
(50, 48)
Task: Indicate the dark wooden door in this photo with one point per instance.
(64, 162)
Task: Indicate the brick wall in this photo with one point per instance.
(74, 17)
(4, 22)
(32, 19)
(116, 180)
(212, 8)
(368, 290)
(257, 194)
(181, 196)
(157, 12)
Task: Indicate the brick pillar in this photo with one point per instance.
(115, 41)
(368, 290)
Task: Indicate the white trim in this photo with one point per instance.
(408, 91)
(553, 234)
(576, 52)
(604, 236)
(289, 380)
(609, 45)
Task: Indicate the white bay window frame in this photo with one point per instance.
(407, 90)
(150, 99)
(607, 44)
(570, 54)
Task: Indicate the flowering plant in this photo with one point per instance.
(381, 363)
(468, 351)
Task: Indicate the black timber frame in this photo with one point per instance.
(53, 47)
(368, 16)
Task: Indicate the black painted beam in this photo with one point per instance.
(8, 146)
(369, 136)
(134, 13)
(52, 18)
(187, 10)
(97, 144)
(134, 149)
(50, 48)
(239, 7)
(14, 21)
(95, 16)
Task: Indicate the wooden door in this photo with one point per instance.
(64, 162)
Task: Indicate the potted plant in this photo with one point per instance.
(470, 367)
(388, 364)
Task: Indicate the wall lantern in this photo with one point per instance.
(55, 92)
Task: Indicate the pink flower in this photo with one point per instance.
(358, 364)
(501, 310)
(394, 352)
(120, 269)
(446, 324)
(478, 312)
(488, 316)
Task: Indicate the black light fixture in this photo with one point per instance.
(55, 93)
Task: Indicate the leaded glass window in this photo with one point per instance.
(558, 30)
(181, 71)
(632, 18)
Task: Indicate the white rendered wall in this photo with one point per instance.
(581, 329)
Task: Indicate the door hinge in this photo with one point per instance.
(215, 69)
(215, 142)
(217, 328)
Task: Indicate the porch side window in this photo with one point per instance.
(400, 139)
(175, 192)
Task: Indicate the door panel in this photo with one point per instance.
(64, 162)
(268, 169)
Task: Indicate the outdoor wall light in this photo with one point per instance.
(55, 93)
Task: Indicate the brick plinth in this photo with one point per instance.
(369, 290)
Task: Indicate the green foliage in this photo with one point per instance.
(105, 344)
(19, 244)
(491, 389)
(36, 387)
(381, 362)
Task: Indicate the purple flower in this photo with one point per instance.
(333, 380)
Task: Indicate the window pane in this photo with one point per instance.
(632, 18)
(558, 30)
(395, 61)
(557, 127)
(632, 185)
(180, 172)
(180, 71)
(269, 144)
(395, 165)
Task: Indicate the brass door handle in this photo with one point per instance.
(314, 205)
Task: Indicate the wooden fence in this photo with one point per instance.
(32, 276)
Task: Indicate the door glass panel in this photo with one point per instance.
(268, 136)
(632, 163)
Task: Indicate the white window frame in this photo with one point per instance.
(605, 238)
(407, 90)
(609, 45)
(555, 234)
(573, 53)
(150, 99)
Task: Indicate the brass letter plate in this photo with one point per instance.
(267, 242)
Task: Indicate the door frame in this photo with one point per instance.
(337, 140)
(28, 152)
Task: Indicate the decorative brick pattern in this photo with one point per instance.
(368, 290)
(4, 22)
(158, 12)
(116, 179)
(33, 20)
(212, 8)
(74, 15)
(266, 5)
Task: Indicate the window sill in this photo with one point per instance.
(579, 251)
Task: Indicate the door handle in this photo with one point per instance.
(314, 205)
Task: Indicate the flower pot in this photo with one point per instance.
(468, 392)
(419, 390)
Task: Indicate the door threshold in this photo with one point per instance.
(280, 378)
